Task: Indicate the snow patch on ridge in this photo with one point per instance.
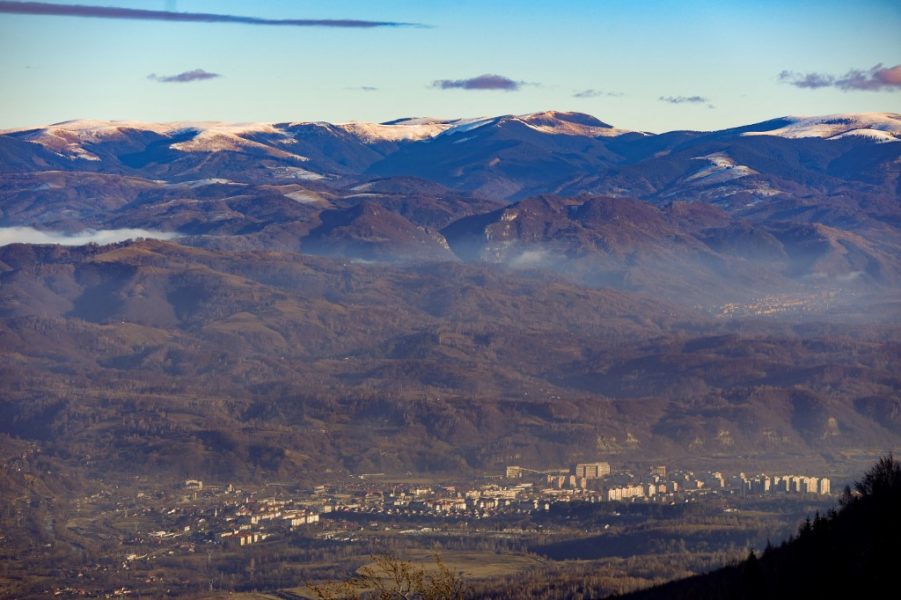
(466, 125)
(722, 168)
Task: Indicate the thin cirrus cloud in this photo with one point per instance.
(875, 79)
(48, 9)
(482, 82)
(596, 94)
(186, 77)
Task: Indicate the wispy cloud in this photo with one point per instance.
(30, 235)
(875, 79)
(186, 77)
(596, 94)
(114, 12)
(684, 99)
(482, 82)
(687, 100)
(364, 88)
(810, 81)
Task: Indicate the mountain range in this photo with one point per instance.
(505, 158)
(757, 208)
(450, 295)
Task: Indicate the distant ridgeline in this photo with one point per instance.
(759, 209)
(850, 553)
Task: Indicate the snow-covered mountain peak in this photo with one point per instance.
(882, 127)
(554, 117)
(569, 123)
(69, 137)
(93, 130)
(551, 122)
(224, 137)
(396, 131)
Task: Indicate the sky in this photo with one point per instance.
(652, 65)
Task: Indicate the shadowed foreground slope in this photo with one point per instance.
(851, 553)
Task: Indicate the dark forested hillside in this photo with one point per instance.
(849, 553)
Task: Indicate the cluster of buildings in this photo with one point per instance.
(790, 484)
(441, 501)
(778, 304)
(229, 517)
(232, 518)
(252, 522)
(531, 490)
(600, 483)
(192, 516)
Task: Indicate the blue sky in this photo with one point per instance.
(721, 59)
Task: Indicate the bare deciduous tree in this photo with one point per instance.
(390, 578)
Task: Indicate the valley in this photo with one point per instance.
(324, 318)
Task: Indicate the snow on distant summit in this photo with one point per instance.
(226, 137)
(422, 128)
(570, 123)
(551, 122)
(68, 138)
(881, 127)
(396, 131)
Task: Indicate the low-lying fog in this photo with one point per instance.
(30, 235)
